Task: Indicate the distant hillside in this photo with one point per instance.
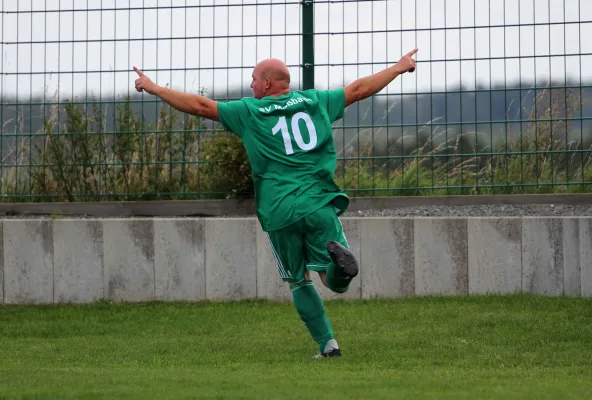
(473, 109)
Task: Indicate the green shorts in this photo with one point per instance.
(302, 246)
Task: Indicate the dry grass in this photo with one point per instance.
(541, 160)
(76, 156)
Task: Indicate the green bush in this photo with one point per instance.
(174, 157)
(226, 170)
(80, 160)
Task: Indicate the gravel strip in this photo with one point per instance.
(494, 210)
(490, 210)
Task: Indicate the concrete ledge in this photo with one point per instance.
(1, 263)
(388, 269)
(572, 263)
(495, 255)
(179, 259)
(78, 261)
(129, 260)
(193, 259)
(585, 242)
(441, 256)
(231, 258)
(28, 261)
(229, 208)
(542, 256)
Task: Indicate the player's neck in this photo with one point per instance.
(279, 93)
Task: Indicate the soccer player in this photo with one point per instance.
(288, 138)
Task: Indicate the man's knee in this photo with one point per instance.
(306, 277)
(323, 277)
(333, 288)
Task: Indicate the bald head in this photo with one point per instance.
(271, 77)
(275, 69)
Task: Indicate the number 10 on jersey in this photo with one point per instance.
(282, 126)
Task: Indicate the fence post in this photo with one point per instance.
(307, 44)
(2, 95)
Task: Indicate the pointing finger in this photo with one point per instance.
(412, 52)
(140, 73)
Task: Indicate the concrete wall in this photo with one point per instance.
(142, 259)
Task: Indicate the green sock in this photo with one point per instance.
(310, 307)
(337, 280)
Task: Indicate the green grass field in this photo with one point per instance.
(512, 347)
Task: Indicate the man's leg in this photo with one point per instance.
(328, 251)
(343, 267)
(310, 307)
(288, 249)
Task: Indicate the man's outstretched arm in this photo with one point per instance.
(370, 85)
(186, 102)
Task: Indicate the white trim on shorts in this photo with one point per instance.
(343, 232)
(281, 270)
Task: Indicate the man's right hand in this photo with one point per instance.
(185, 102)
(143, 83)
(406, 63)
(368, 86)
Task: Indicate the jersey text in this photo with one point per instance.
(288, 104)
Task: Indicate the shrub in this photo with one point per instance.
(226, 171)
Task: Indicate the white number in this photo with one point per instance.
(282, 126)
(311, 131)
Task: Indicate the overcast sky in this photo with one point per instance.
(199, 39)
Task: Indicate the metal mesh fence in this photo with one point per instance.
(499, 102)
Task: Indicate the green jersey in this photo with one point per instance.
(289, 142)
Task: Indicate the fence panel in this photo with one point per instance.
(499, 102)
